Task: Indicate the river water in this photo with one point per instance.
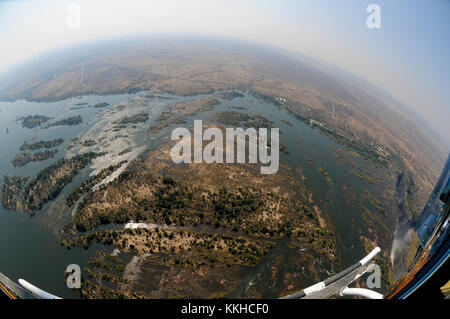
(29, 247)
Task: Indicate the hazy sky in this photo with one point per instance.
(408, 56)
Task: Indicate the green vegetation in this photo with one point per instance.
(47, 185)
(91, 182)
(240, 119)
(11, 190)
(229, 95)
(373, 201)
(362, 176)
(99, 105)
(33, 121)
(23, 158)
(154, 96)
(347, 162)
(213, 247)
(135, 119)
(41, 144)
(412, 196)
(384, 267)
(179, 111)
(325, 173)
(152, 198)
(89, 143)
(74, 120)
(382, 263)
(106, 262)
(101, 279)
